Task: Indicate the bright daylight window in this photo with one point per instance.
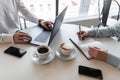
(46, 9)
(42, 8)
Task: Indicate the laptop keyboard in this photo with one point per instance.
(42, 37)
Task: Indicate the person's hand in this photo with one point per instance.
(46, 25)
(21, 37)
(82, 34)
(97, 53)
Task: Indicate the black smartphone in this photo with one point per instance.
(92, 72)
(18, 52)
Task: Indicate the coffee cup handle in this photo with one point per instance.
(35, 55)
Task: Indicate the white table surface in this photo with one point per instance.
(13, 68)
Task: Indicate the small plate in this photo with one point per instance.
(43, 61)
(61, 56)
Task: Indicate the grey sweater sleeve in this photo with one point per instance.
(109, 31)
(113, 60)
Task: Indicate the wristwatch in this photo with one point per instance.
(40, 20)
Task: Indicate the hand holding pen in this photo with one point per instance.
(82, 34)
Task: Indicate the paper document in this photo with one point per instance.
(84, 47)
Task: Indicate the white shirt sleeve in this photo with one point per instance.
(6, 38)
(28, 15)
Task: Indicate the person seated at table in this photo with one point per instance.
(9, 21)
(98, 54)
(103, 32)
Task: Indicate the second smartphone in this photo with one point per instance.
(92, 72)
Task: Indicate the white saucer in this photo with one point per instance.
(43, 61)
(61, 56)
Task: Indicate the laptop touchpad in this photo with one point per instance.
(43, 36)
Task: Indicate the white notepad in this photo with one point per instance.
(84, 47)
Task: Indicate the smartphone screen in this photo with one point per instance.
(15, 51)
(92, 72)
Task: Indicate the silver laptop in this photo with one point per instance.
(42, 37)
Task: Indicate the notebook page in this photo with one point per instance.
(98, 44)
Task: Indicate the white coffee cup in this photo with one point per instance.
(43, 52)
(66, 49)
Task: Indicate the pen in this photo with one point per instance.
(80, 32)
(79, 48)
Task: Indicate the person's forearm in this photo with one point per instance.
(6, 38)
(99, 32)
(108, 31)
(28, 15)
(114, 60)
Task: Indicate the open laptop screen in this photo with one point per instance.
(58, 23)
